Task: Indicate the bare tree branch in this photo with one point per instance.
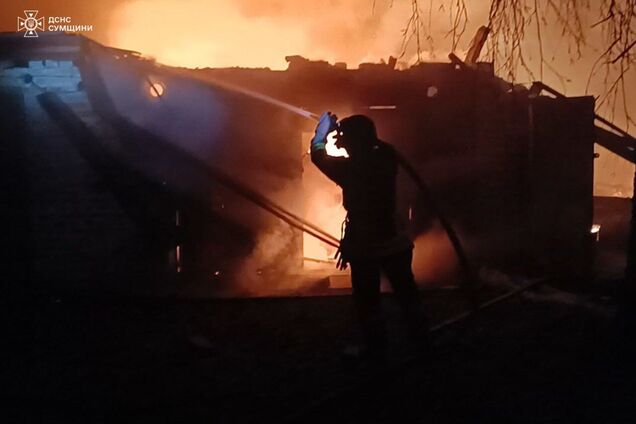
(510, 23)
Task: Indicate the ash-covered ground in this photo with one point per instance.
(534, 358)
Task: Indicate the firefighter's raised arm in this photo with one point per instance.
(328, 122)
(332, 167)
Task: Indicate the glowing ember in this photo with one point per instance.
(596, 231)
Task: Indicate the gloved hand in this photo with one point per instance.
(328, 122)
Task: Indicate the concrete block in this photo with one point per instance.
(57, 83)
(36, 64)
(55, 72)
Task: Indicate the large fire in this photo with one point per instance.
(249, 33)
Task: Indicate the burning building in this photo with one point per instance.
(126, 175)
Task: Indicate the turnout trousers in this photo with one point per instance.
(365, 282)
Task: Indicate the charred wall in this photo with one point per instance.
(561, 175)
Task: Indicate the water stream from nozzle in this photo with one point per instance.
(263, 97)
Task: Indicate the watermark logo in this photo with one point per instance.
(30, 24)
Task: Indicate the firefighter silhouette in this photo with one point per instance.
(373, 241)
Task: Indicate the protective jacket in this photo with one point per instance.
(368, 182)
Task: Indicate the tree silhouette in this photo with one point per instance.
(514, 23)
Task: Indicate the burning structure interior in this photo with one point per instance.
(128, 176)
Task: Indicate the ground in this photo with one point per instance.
(277, 360)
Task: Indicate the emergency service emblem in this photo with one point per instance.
(30, 24)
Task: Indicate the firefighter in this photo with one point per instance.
(372, 242)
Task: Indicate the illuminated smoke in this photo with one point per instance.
(434, 260)
(275, 263)
(270, 266)
(324, 208)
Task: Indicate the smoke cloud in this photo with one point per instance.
(434, 260)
